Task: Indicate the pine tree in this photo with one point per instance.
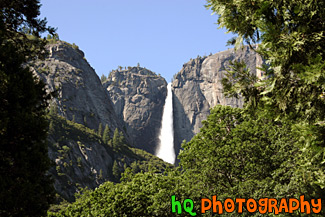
(121, 139)
(117, 142)
(25, 187)
(103, 78)
(291, 38)
(116, 171)
(100, 130)
(106, 136)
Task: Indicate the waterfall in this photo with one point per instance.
(165, 149)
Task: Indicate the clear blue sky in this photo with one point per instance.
(161, 35)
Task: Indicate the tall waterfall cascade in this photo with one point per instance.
(165, 149)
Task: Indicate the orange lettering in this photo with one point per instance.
(304, 203)
(251, 205)
(283, 205)
(273, 205)
(216, 203)
(204, 208)
(318, 206)
(240, 204)
(229, 205)
(262, 203)
(291, 207)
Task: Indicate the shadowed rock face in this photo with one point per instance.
(197, 88)
(81, 159)
(138, 96)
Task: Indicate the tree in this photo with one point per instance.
(143, 194)
(122, 139)
(25, 187)
(106, 136)
(100, 130)
(103, 78)
(116, 171)
(291, 36)
(118, 140)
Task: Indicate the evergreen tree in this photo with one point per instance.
(117, 140)
(116, 171)
(103, 78)
(291, 38)
(106, 136)
(122, 141)
(53, 109)
(25, 187)
(100, 130)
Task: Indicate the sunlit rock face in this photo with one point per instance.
(79, 93)
(138, 95)
(81, 159)
(197, 88)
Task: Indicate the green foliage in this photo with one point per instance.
(292, 42)
(25, 187)
(100, 130)
(274, 147)
(103, 78)
(291, 39)
(106, 136)
(52, 38)
(118, 140)
(53, 109)
(116, 171)
(64, 128)
(145, 194)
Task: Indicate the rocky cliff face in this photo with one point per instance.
(197, 88)
(132, 101)
(138, 96)
(81, 157)
(80, 95)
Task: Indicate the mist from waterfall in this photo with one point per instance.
(165, 149)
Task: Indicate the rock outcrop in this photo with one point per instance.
(80, 95)
(82, 159)
(197, 88)
(138, 96)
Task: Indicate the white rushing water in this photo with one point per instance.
(165, 149)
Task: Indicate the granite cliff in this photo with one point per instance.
(80, 95)
(138, 96)
(197, 88)
(82, 158)
(130, 100)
